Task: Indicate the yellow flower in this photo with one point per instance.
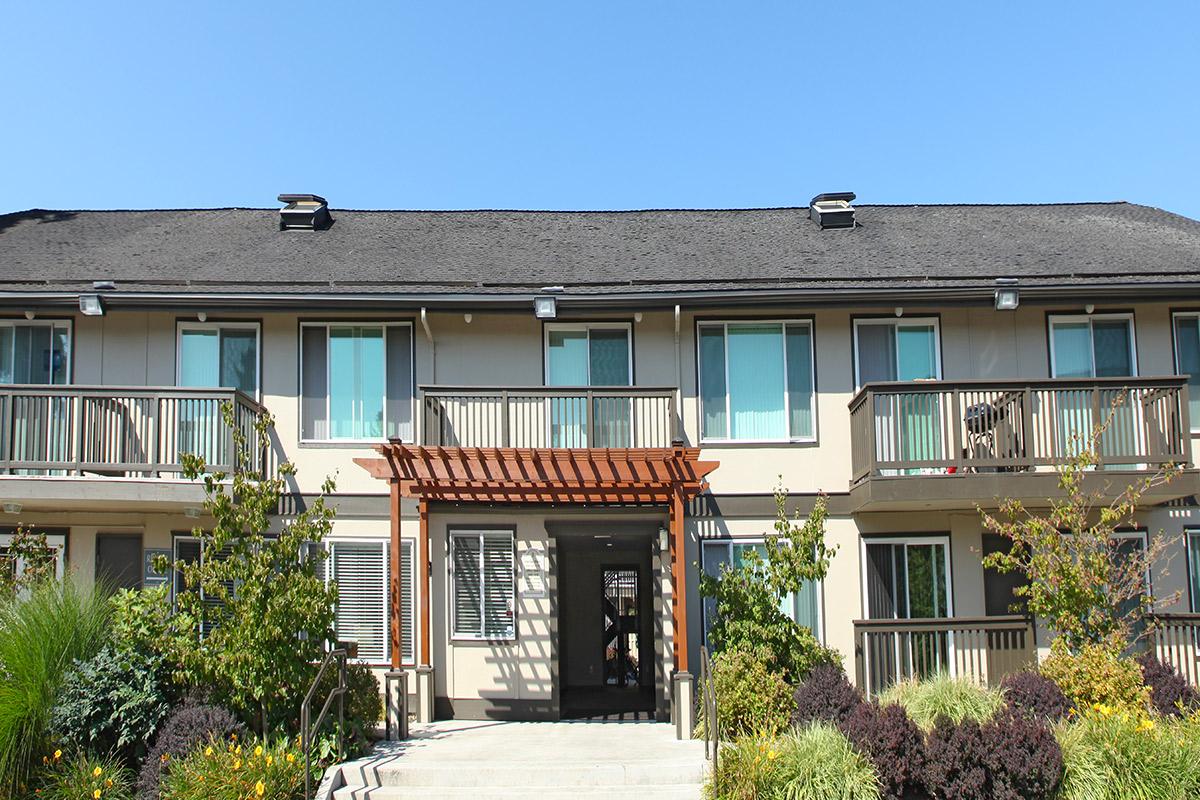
(237, 763)
(208, 751)
(96, 794)
(772, 755)
(290, 758)
(97, 772)
(238, 749)
(270, 761)
(259, 788)
(258, 750)
(57, 755)
(233, 736)
(108, 783)
(1145, 725)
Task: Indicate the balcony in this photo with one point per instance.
(549, 417)
(118, 432)
(950, 444)
(981, 649)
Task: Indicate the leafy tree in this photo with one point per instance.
(36, 556)
(1087, 589)
(748, 595)
(252, 615)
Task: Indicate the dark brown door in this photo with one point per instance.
(119, 560)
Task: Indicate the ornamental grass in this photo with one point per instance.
(941, 696)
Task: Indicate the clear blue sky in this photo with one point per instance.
(570, 104)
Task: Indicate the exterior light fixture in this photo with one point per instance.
(91, 305)
(899, 311)
(29, 315)
(191, 512)
(664, 539)
(1089, 308)
(545, 307)
(1007, 296)
(12, 508)
(202, 316)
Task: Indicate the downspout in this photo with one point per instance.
(433, 369)
(678, 381)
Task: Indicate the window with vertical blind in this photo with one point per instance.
(484, 584)
(1193, 567)
(756, 381)
(356, 381)
(1187, 359)
(896, 350)
(35, 352)
(219, 354)
(804, 607)
(362, 571)
(1092, 346)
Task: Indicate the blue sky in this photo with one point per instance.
(598, 105)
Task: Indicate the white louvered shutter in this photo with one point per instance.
(188, 551)
(360, 571)
(468, 610)
(408, 628)
(498, 585)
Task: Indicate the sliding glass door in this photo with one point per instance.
(908, 425)
(1096, 346)
(593, 355)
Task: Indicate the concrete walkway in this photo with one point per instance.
(571, 759)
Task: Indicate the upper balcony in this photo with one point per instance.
(537, 417)
(114, 432)
(951, 444)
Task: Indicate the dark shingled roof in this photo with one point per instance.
(669, 252)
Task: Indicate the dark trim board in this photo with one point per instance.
(494, 708)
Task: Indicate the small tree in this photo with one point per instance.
(748, 595)
(1087, 590)
(27, 561)
(253, 616)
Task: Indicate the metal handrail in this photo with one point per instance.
(307, 731)
(708, 698)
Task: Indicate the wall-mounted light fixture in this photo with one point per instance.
(467, 318)
(1007, 296)
(545, 307)
(664, 539)
(1089, 308)
(637, 316)
(899, 311)
(12, 508)
(29, 315)
(91, 305)
(202, 316)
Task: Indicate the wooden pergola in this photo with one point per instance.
(645, 477)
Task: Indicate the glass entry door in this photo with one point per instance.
(590, 356)
(908, 425)
(907, 579)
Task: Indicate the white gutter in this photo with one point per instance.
(432, 343)
(678, 375)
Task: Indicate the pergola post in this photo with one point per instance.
(397, 617)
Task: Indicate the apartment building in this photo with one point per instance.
(543, 425)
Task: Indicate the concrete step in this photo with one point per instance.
(686, 791)
(548, 773)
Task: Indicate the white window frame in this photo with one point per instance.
(941, 539)
(1175, 316)
(812, 355)
(51, 323)
(752, 541)
(412, 378)
(482, 636)
(330, 544)
(1056, 319)
(585, 327)
(1188, 534)
(894, 324)
(55, 541)
(181, 326)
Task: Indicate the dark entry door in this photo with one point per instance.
(621, 623)
(119, 560)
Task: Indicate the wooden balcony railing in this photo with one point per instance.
(119, 431)
(957, 427)
(1175, 640)
(538, 417)
(982, 649)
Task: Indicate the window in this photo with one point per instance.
(55, 541)
(907, 578)
(756, 381)
(484, 584)
(589, 355)
(1187, 359)
(219, 354)
(1092, 346)
(356, 381)
(1000, 588)
(190, 549)
(1193, 559)
(362, 571)
(804, 607)
(895, 350)
(35, 352)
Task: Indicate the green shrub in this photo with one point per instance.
(141, 619)
(41, 636)
(226, 769)
(1114, 755)
(114, 702)
(364, 707)
(752, 696)
(84, 777)
(815, 762)
(1097, 675)
(955, 699)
